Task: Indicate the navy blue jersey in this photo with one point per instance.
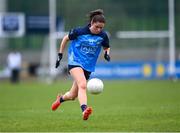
(85, 47)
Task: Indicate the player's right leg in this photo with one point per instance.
(56, 103)
(70, 95)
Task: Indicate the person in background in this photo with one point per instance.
(14, 64)
(83, 52)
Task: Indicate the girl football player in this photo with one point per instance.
(83, 52)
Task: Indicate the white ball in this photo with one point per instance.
(95, 86)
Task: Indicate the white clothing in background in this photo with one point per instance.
(14, 60)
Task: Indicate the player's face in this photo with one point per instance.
(96, 27)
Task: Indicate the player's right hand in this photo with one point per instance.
(60, 55)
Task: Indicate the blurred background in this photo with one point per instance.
(144, 36)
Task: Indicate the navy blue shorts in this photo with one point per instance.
(86, 73)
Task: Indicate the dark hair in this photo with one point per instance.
(96, 16)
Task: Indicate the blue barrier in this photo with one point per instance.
(134, 70)
(178, 69)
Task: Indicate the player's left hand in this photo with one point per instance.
(106, 56)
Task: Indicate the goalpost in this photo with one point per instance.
(170, 34)
(49, 52)
(52, 39)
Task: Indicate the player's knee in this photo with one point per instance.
(82, 85)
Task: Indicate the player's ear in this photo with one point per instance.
(91, 22)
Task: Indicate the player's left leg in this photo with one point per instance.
(86, 113)
(79, 76)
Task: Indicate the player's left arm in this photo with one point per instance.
(107, 54)
(106, 48)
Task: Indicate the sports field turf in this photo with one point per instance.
(130, 106)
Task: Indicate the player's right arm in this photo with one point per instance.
(71, 36)
(61, 49)
(63, 43)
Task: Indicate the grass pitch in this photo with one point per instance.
(130, 106)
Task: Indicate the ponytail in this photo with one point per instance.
(96, 16)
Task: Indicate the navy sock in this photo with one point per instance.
(61, 100)
(83, 107)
